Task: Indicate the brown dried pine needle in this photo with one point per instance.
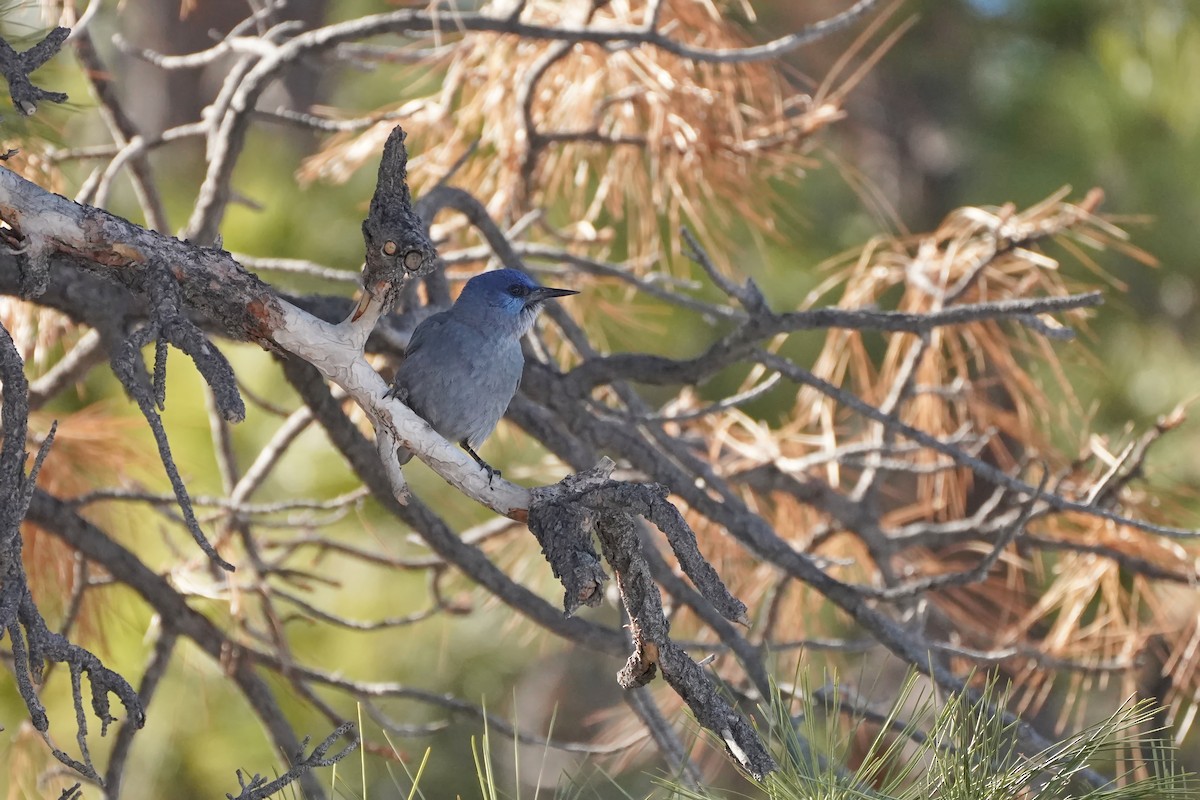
(624, 143)
(1064, 615)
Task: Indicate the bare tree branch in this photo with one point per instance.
(32, 642)
(257, 787)
(693, 464)
(17, 67)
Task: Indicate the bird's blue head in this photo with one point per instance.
(505, 298)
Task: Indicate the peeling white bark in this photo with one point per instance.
(337, 351)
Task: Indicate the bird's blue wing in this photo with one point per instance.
(428, 331)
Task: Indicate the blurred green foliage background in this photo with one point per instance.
(996, 101)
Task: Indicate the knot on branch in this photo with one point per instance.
(565, 516)
(397, 247)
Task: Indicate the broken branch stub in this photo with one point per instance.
(17, 67)
(396, 245)
(564, 530)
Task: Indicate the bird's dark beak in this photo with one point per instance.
(545, 293)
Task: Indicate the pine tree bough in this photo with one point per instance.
(174, 290)
(138, 288)
(258, 787)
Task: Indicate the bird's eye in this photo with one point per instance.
(518, 290)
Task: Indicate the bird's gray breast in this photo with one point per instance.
(459, 378)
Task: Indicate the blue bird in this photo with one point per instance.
(463, 365)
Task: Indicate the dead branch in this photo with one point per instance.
(17, 67)
(32, 642)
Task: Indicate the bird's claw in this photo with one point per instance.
(492, 473)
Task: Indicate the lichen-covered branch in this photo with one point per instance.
(17, 67)
(564, 517)
(31, 640)
(258, 787)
